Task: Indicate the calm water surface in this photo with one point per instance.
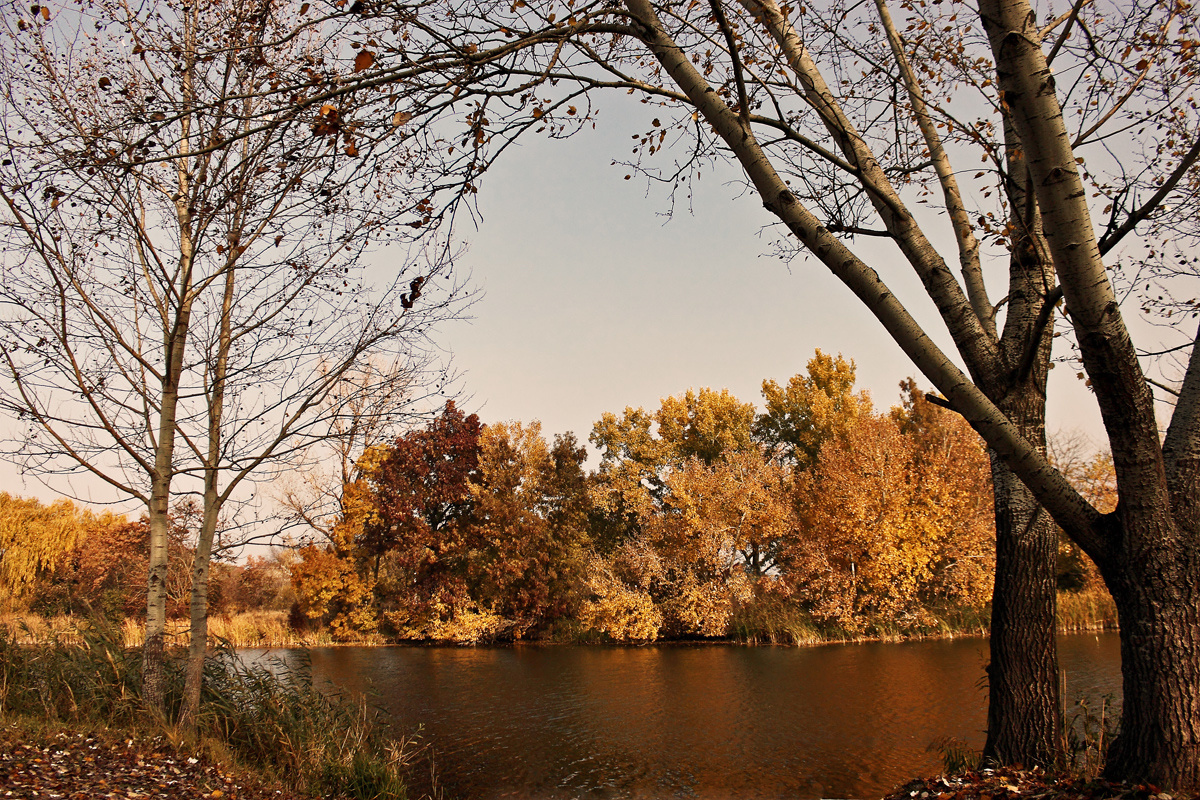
(690, 722)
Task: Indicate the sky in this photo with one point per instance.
(592, 298)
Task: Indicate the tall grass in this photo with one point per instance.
(1088, 731)
(265, 717)
(328, 743)
(771, 621)
(265, 629)
(1089, 610)
(247, 629)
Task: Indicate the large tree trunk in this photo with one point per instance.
(1147, 549)
(1158, 604)
(1024, 707)
(1024, 718)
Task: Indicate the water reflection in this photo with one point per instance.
(691, 722)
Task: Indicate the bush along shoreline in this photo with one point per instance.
(259, 719)
(1088, 610)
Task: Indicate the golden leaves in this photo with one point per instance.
(32, 538)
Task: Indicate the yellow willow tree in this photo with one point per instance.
(33, 538)
(184, 309)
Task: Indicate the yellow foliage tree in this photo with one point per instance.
(887, 525)
(329, 587)
(639, 450)
(33, 537)
(800, 417)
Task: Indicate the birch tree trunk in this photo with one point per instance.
(213, 501)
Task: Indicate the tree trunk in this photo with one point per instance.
(1158, 604)
(198, 631)
(153, 649)
(1024, 706)
(213, 503)
(1024, 712)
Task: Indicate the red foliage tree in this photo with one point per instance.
(421, 490)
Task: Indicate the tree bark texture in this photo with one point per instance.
(198, 634)
(153, 649)
(1024, 709)
(1157, 594)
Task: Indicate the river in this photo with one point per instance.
(677, 721)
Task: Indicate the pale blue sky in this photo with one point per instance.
(593, 300)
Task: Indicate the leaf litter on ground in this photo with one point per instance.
(74, 766)
(1015, 783)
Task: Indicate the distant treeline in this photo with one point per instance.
(818, 517)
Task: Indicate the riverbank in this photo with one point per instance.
(1077, 611)
(276, 727)
(1014, 783)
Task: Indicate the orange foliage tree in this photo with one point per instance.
(894, 522)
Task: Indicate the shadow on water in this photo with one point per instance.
(675, 721)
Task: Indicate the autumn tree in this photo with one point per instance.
(799, 418)
(953, 458)
(330, 589)
(529, 522)
(104, 570)
(419, 499)
(183, 300)
(703, 510)
(888, 524)
(638, 449)
(33, 538)
(721, 529)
